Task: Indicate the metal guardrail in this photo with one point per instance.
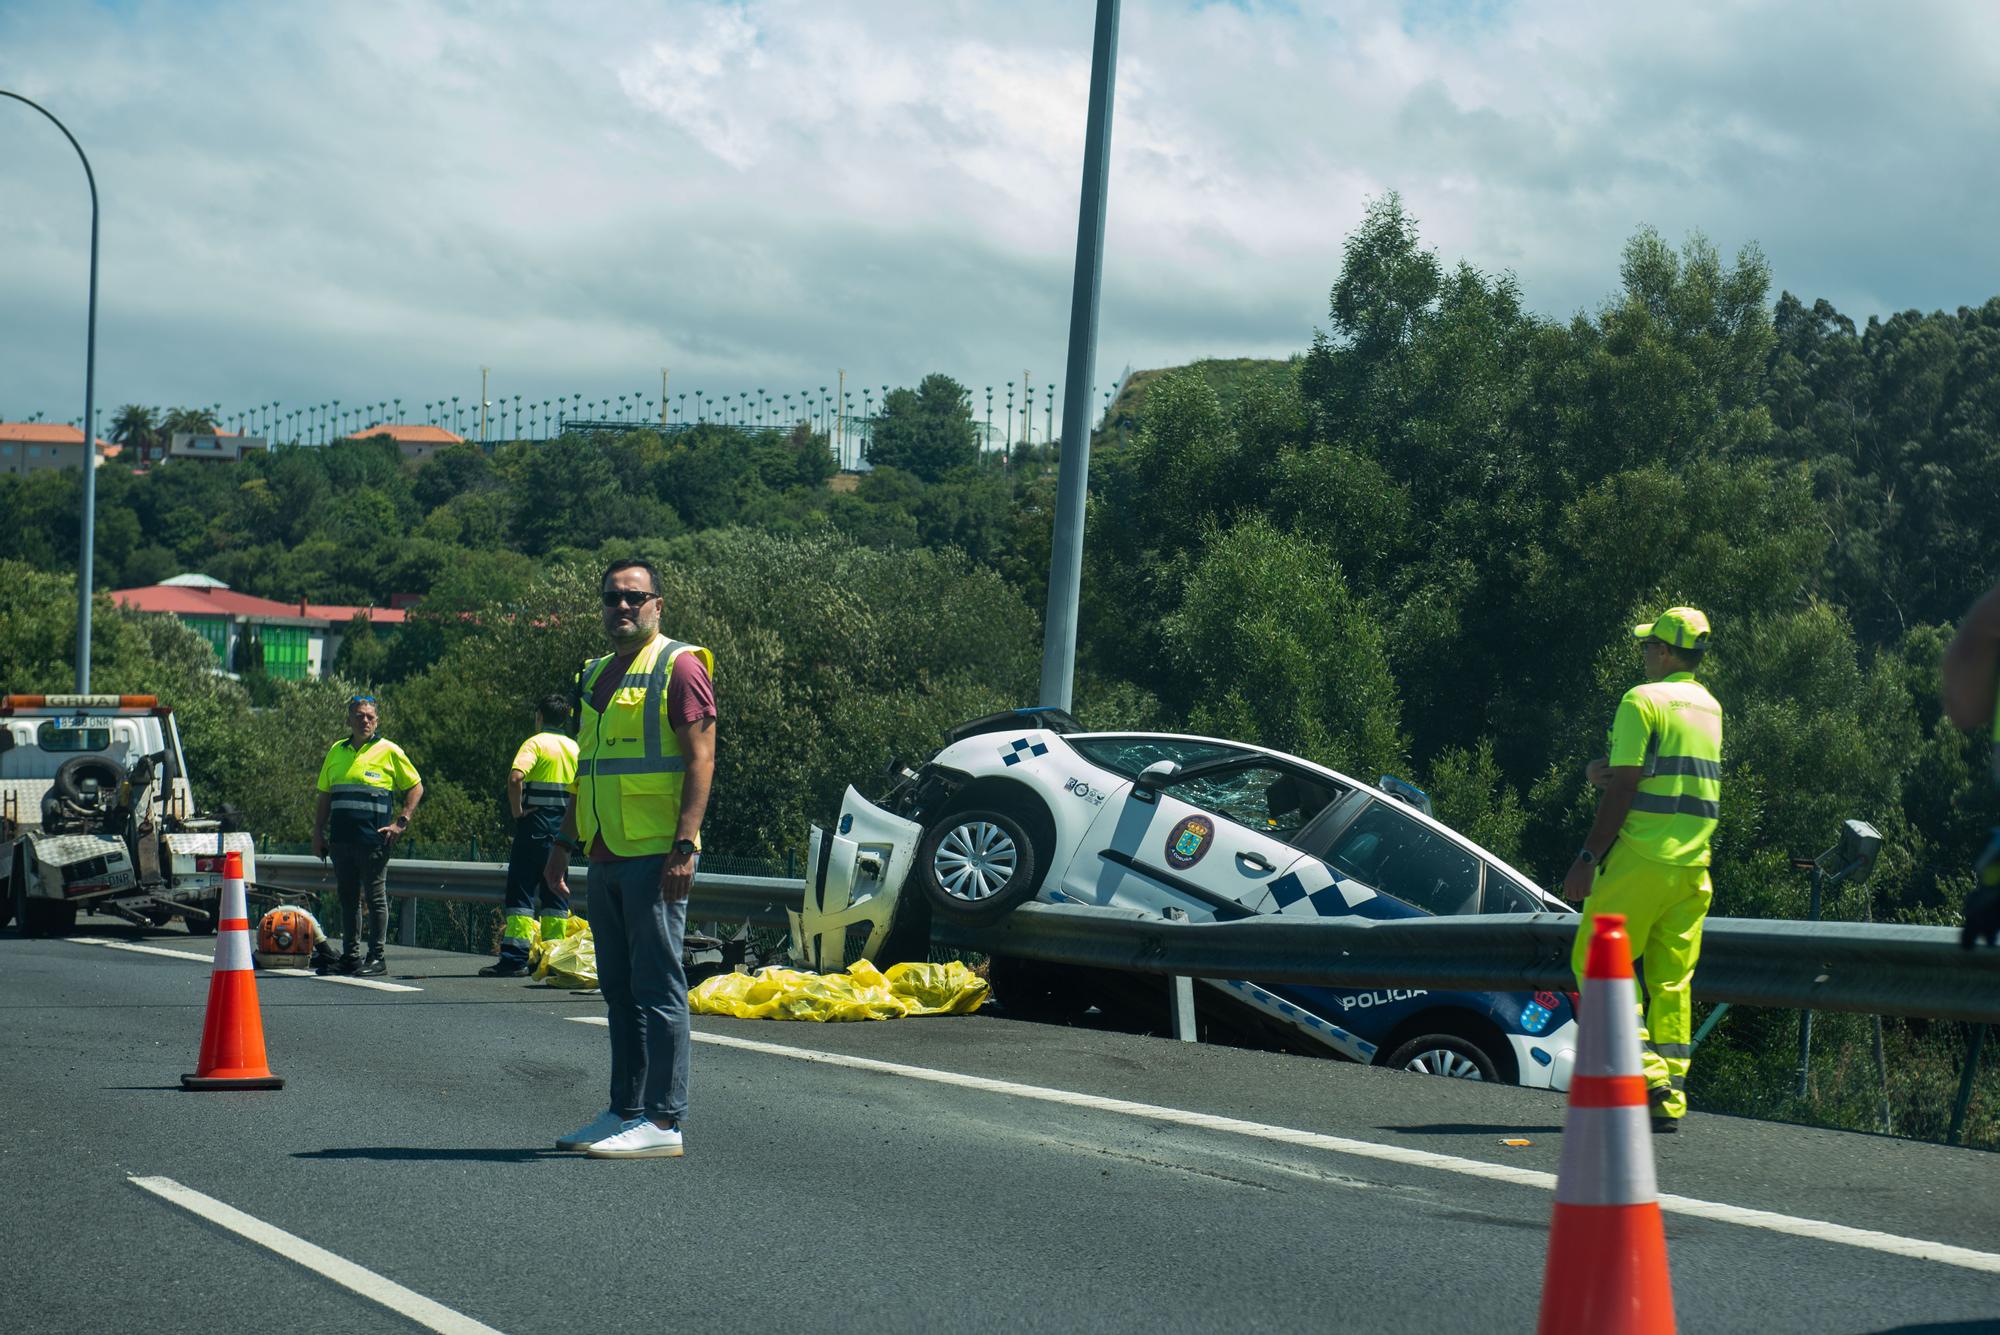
(761, 899)
(1867, 968)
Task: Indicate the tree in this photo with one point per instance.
(135, 427)
(927, 431)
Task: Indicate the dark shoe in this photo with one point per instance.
(1666, 1126)
(346, 966)
(371, 966)
(505, 969)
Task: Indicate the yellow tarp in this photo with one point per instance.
(862, 993)
(566, 961)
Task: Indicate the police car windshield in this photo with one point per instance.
(1127, 756)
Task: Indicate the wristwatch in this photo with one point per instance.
(685, 847)
(1586, 857)
(573, 845)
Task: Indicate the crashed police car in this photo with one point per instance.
(1027, 805)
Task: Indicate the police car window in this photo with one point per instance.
(1266, 798)
(1388, 850)
(1129, 755)
(53, 736)
(1503, 895)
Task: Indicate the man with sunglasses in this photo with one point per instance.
(359, 781)
(646, 756)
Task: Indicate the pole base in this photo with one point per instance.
(198, 1082)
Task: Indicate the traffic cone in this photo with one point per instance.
(1607, 1263)
(232, 1037)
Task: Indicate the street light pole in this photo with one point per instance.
(87, 567)
(1066, 547)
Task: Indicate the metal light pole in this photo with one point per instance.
(1066, 547)
(87, 566)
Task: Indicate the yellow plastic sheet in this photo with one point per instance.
(566, 961)
(862, 993)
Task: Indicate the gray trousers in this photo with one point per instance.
(359, 869)
(638, 941)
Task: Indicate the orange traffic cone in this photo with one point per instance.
(1607, 1265)
(232, 1037)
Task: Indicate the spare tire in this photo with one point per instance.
(82, 778)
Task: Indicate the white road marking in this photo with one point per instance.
(109, 944)
(375, 983)
(1819, 1230)
(377, 1289)
(138, 949)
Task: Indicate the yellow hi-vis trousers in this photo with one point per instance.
(1664, 907)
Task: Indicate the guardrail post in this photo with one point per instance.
(408, 934)
(1965, 1084)
(1180, 994)
(1805, 1019)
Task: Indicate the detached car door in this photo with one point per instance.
(1213, 841)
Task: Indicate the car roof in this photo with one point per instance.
(1347, 779)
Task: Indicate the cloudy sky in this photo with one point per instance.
(370, 199)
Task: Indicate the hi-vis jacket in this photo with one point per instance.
(629, 764)
(547, 762)
(361, 782)
(1672, 730)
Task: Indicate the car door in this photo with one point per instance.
(1212, 842)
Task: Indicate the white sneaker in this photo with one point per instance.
(606, 1123)
(639, 1140)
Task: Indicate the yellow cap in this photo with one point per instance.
(1681, 627)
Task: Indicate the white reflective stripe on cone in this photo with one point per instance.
(235, 903)
(1608, 1043)
(232, 951)
(1607, 1158)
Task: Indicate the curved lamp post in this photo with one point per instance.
(89, 549)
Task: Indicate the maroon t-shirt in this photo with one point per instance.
(690, 698)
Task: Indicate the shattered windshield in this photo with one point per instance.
(1129, 755)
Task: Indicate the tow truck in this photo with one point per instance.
(96, 815)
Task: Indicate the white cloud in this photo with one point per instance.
(375, 198)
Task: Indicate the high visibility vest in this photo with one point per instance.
(1672, 730)
(547, 762)
(361, 783)
(629, 766)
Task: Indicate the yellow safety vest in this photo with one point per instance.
(547, 762)
(629, 767)
(1672, 730)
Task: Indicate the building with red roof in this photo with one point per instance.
(35, 447)
(293, 641)
(417, 442)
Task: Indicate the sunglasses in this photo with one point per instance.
(361, 700)
(628, 597)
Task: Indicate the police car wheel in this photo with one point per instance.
(1446, 1055)
(976, 866)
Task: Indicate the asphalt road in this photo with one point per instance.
(1244, 1191)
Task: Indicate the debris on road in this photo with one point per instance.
(863, 992)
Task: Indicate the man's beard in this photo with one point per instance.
(625, 636)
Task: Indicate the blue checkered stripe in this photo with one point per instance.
(1321, 1028)
(1310, 890)
(1020, 749)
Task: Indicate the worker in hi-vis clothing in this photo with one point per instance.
(537, 794)
(1646, 855)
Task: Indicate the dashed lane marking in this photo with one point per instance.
(375, 983)
(138, 949)
(1817, 1229)
(356, 1279)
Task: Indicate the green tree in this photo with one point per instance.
(927, 431)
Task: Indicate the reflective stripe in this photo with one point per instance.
(541, 786)
(232, 951)
(1694, 765)
(1668, 804)
(1607, 1158)
(632, 765)
(1684, 1051)
(354, 804)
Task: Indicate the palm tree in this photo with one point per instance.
(135, 429)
